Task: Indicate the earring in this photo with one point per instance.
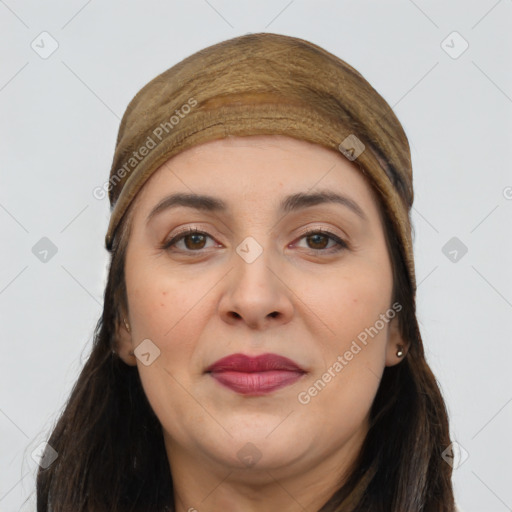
(127, 325)
(400, 352)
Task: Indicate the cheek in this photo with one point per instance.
(171, 314)
(160, 300)
(342, 391)
(344, 402)
(350, 302)
(353, 307)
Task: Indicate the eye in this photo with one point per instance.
(193, 239)
(318, 240)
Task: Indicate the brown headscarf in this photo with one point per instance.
(264, 84)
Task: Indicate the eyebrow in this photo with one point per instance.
(293, 202)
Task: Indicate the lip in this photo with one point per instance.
(255, 376)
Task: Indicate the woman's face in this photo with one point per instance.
(275, 269)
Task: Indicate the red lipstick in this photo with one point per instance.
(255, 375)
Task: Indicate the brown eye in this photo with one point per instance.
(318, 240)
(193, 241)
(197, 241)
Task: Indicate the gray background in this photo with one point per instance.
(59, 118)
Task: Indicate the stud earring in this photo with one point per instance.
(127, 325)
(400, 351)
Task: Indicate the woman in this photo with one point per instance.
(258, 348)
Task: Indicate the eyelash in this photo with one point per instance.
(341, 244)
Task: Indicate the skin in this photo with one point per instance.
(199, 301)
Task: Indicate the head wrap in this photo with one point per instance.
(264, 84)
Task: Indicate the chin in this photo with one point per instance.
(260, 449)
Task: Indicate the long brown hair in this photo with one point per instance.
(111, 453)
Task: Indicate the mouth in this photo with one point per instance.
(255, 376)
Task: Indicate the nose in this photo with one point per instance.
(256, 294)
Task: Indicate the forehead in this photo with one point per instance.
(257, 169)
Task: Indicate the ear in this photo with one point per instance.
(124, 342)
(394, 343)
